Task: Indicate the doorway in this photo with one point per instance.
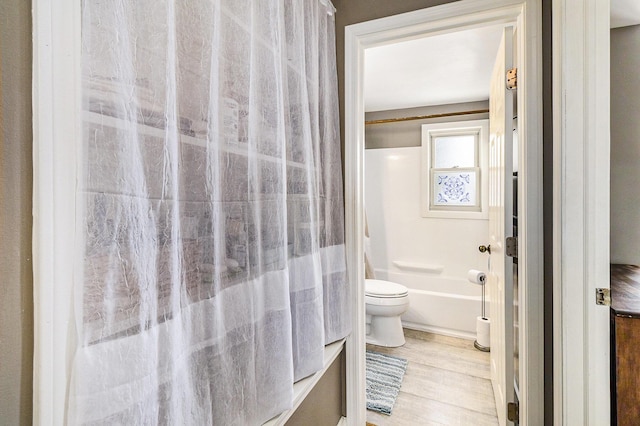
(427, 191)
(440, 20)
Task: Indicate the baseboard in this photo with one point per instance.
(439, 330)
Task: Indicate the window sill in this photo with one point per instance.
(451, 214)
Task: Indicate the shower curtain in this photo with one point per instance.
(212, 268)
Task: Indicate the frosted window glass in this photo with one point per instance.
(454, 151)
(455, 188)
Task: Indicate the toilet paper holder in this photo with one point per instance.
(482, 323)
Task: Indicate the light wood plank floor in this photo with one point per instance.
(446, 383)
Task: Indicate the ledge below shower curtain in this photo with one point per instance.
(213, 268)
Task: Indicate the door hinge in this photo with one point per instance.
(511, 248)
(512, 79)
(603, 296)
(513, 412)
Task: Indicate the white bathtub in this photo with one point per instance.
(439, 304)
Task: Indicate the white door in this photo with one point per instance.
(500, 279)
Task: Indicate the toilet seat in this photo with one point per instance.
(384, 289)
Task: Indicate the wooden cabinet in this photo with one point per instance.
(625, 345)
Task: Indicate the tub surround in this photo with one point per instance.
(442, 305)
(430, 256)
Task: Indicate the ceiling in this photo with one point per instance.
(625, 13)
(442, 69)
(447, 68)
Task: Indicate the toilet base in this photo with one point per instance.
(385, 331)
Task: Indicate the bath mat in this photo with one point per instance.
(384, 377)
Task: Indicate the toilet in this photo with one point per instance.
(385, 301)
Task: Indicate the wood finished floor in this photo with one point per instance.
(446, 383)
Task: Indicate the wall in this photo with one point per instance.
(355, 11)
(625, 145)
(409, 133)
(442, 301)
(16, 286)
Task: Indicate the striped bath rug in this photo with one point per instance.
(384, 377)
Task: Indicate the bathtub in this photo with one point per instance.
(439, 304)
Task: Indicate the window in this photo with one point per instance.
(454, 157)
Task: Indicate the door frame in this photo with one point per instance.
(56, 120)
(527, 17)
(580, 50)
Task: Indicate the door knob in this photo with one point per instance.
(484, 249)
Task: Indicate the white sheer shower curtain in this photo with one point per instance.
(212, 267)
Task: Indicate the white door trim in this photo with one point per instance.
(465, 13)
(56, 121)
(581, 95)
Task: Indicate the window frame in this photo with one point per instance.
(477, 128)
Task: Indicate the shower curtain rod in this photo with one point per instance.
(424, 117)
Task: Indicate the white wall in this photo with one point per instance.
(443, 301)
(625, 145)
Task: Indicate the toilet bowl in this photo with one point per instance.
(385, 301)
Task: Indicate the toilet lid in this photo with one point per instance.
(380, 288)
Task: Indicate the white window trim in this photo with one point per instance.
(430, 131)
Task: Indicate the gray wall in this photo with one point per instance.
(625, 145)
(409, 133)
(355, 11)
(16, 285)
